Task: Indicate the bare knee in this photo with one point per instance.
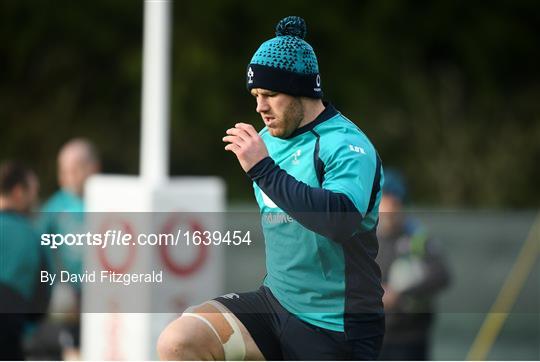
(172, 343)
(176, 343)
(186, 339)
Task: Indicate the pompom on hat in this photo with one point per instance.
(286, 63)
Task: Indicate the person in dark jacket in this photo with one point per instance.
(413, 273)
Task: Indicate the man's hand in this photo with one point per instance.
(246, 144)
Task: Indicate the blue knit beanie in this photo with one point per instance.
(286, 63)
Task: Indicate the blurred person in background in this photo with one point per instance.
(413, 272)
(63, 213)
(23, 299)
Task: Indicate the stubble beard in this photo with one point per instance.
(291, 119)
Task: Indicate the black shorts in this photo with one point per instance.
(281, 335)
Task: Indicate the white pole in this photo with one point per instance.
(154, 157)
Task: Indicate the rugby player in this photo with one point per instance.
(322, 296)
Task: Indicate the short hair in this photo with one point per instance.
(13, 173)
(90, 151)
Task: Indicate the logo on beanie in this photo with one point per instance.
(318, 83)
(250, 75)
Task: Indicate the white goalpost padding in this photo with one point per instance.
(109, 335)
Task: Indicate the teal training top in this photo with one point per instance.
(63, 201)
(319, 192)
(20, 258)
(64, 213)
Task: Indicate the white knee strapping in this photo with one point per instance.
(235, 348)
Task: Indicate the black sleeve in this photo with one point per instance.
(327, 213)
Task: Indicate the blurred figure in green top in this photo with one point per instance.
(22, 296)
(64, 213)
